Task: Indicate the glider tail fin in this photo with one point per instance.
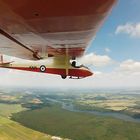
(2, 63)
(1, 59)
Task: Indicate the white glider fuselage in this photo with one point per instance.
(63, 69)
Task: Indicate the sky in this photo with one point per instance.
(113, 56)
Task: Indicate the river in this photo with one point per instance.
(70, 107)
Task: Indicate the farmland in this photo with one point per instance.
(69, 114)
(77, 126)
(11, 130)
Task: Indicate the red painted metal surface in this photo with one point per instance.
(57, 8)
(56, 23)
(71, 72)
(80, 73)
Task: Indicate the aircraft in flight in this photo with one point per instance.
(57, 29)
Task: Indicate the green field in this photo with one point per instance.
(78, 126)
(10, 130)
(6, 110)
(39, 112)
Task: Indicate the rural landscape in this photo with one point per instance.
(69, 70)
(47, 114)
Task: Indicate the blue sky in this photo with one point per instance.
(122, 46)
(116, 49)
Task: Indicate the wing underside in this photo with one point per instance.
(37, 29)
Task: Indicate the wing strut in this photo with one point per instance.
(67, 62)
(35, 53)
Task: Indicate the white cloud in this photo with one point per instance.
(130, 67)
(97, 73)
(117, 78)
(95, 60)
(126, 74)
(107, 50)
(131, 29)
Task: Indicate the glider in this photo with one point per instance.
(57, 29)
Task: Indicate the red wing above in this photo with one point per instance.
(35, 29)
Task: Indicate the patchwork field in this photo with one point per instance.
(10, 130)
(6, 110)
(77, 126)
(127, 104)
(43, 115)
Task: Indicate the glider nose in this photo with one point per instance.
(86, 72)
(89, 73)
